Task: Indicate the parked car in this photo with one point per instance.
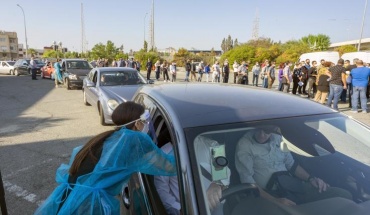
(326, 143)
(106, 87)
(47, 71)
(74, 71)
(7, 67)
(22, 67)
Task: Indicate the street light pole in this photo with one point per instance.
(362, 27)
(144, 25)
(25, 29)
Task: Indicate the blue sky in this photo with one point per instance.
(190, 24)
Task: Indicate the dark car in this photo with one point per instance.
(74, 71)
(22, 66)
(106, 87)
(327, 144)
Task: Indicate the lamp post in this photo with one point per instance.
(25, 29)
(144, 25)
(362, 27)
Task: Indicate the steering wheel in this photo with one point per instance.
(240, 188)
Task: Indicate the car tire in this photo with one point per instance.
(85, 99)
(101, 113)
(16, 73)
(66, 82)
(11, 72)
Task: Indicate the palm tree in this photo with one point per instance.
(318, 42)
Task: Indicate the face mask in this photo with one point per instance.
(145, 117)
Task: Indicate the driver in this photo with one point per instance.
(258, 157)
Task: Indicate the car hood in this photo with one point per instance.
(79, 72)
(122, 92)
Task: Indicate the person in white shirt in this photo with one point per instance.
(235, 67)
(216, 72)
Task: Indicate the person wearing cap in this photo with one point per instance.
(258, 156)
(97, 170)
(337, 83)
(360, 81)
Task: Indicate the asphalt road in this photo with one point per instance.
(39, 127)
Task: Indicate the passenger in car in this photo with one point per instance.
(258, 156)
(97, 171)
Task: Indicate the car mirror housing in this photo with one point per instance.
(90, 84)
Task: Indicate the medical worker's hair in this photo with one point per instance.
(124, 113)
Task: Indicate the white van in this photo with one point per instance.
(364, 56)
(331, 56)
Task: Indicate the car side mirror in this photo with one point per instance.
(90, 84)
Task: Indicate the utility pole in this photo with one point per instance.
(152, 44)
(362, 27)
(25, 29)
(82, 30)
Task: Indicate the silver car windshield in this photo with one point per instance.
(331, 147)
(114, 78)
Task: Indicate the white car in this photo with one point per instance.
(7, 67)
(318, 56)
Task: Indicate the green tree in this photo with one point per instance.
(145, 46)
(236, 43)
(291, 50)
(345, 49)
(320, 42)
(181, 56)
(31, 52)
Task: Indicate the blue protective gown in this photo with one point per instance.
(58, 74)
(124, 153)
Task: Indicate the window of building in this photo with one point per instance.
(3, 48)
(12, 41)
(2, 39)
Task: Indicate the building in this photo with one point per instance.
(365, 44)
(216, 52)
(8, 45)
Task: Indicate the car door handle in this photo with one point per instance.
(125, 195)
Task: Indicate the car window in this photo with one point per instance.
(95, 77)
(78, 65)
(113, 78)
(333, 148)
(11, 63)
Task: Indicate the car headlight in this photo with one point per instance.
(72, 77)
(112, 104)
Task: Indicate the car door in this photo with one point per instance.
(92, 92)
(140, 195)
(23, 67)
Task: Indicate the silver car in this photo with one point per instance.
(7, 67)
(106, 87)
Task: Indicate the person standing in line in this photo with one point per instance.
(226, 71)
(304, 70)
(312, 73)
(187, 70)
(193, 71)
(148, 69)
(280, 76)
(337, 82)
(235, 69)
(256, 70)
(286, 80)
(360, 81)
(200, 71)
(207, 70)
(173, 72)
(164, 67)
(349, 81)
(271, 75)
(264, 75)
(157, 70)
(322, 83)
(296, 77)
(33, 66)
(58, 74)
(243, 74)
(216, 72)
(138, 66)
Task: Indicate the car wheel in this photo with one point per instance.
(85, 99)
(66, 82)
(101, 113)
(16, 72)
(11, 72)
